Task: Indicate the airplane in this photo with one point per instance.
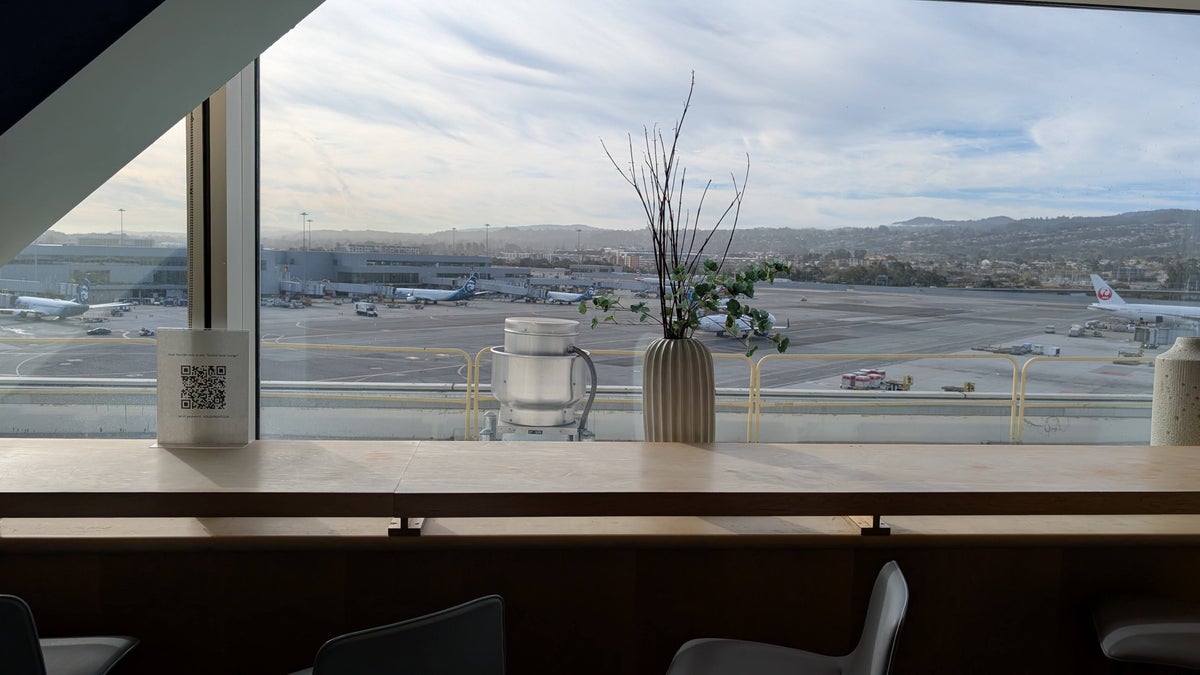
(715, 323)
(569, 298)
(33, 307)
(434, 295)
(1109, 301)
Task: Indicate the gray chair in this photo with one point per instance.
(467, 639)
(23, 653)
(1147, 629)
(872, 655)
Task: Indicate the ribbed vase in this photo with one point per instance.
(678, 392)
(1175, 411)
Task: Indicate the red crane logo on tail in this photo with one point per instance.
(1104, 293)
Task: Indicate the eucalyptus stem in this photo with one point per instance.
(689, 283)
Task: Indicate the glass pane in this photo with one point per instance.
(945, 177)
(77, 352)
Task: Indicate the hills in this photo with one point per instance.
(1164, 232)
(1170, 233)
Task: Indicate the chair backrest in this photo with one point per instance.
(20, 653)
(464, 640)
(885, 615)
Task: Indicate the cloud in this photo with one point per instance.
(429, 115)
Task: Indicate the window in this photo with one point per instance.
(118, 255)
(969, 146)
(904, 135)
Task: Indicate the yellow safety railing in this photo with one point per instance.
(1019, 400)
(765, 361)
(1034, 362)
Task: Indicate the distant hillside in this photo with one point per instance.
(1141, 233)
(927, 221)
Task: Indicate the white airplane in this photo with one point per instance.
(569, 298)
(434, 295)
(1109, 301)
(33, 307)
(717, 323)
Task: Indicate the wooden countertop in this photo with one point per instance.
(113, 478)
(456, 479)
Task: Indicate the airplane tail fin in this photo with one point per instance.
(1104, 293)
(469, 287)
(84, 293)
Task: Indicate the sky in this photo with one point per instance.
(423, 115)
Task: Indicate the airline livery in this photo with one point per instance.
(1107, 300)
(434, 295)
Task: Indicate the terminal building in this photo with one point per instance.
(149, 272)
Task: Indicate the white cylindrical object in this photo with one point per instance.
(1175, 412)
(537, 390)
(535, 336)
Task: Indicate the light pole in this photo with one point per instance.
(578, 243)
(487, 249)
(122, 211)
(453, 237)
(303, 241)
(309, 235)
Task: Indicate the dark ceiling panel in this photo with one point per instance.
(44, 44)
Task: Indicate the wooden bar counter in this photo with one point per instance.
(113, 478)
(132, 478)
(246, 560)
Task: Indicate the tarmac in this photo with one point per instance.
(407, 345)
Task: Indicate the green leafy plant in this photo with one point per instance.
(691, 284)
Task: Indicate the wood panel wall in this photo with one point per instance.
(589, 607)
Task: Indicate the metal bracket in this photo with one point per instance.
(405, 527)
(870, 526)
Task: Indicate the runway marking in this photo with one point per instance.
(17, 370)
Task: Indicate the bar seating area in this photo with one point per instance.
(609, 556)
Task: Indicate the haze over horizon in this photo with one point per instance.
(423, 116)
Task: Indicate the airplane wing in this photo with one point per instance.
(108, 305)
(13, 311)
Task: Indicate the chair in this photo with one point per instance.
(872, 655)
(1147, 629)
(464, 640)
(22, 653)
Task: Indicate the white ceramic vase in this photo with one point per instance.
(1175, 412)
(678, 392)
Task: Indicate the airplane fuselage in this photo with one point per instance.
(560, 297)
(715, 323)
(27, 306)
(1165, 315)
(1108, 300)
(434, 295)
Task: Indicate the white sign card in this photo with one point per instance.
(203, 387)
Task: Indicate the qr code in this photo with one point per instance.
(203, 387)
